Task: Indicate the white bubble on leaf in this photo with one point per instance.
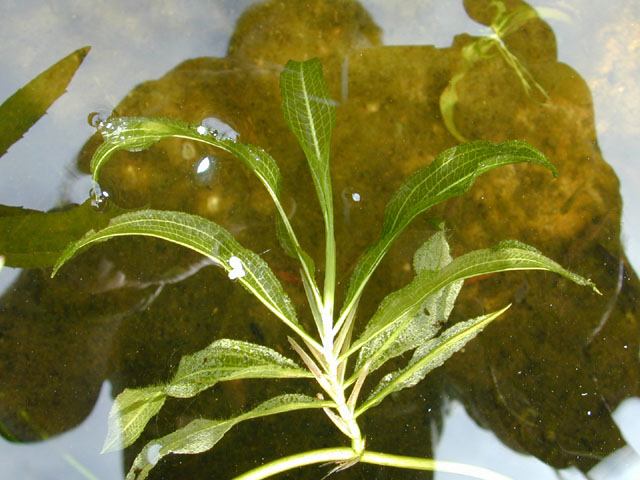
(153, 453)
(237, 270)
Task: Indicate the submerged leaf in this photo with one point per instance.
(25, 107)
(310, 113)
(452, 173)
(505, 256)
(430, 355)
(503, 24)
(202, 236)
(229, 360)
(138, 133)
(33, 239)
(201, 435)
(433, 255)
(131, 411)
(222, 360)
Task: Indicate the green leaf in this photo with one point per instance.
(201, 435)
(310, 113)
(132, 409)
(229, 360)
(33, 239)
(138, 133)
(222, 360)
(452, 173)
(505, 256)
(205, 237)
(503, 24)
(25, 107)
(433, 255)
(430, 355)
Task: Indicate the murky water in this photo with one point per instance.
(544, 381)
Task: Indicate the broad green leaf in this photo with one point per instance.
(505, 256)
(205, 237)
(310, 113)
(452, 173)
(201, 435)
(132, 409)
(138, 133)
(25, 107)
(229, 360)
(433, 255)
(33, 239)
(428, 356)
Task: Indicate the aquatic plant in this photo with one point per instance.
(407, 320)
(30, 238)
(502, 24)
(25, 107)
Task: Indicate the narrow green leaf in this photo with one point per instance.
(33, 239)
(505, 256)
(310, 113)
(25, 107)
(205, 237)
(452, 173)
(229, 360)
(132, 409)
(433, 255)
(201, 435)
(430, 355)
(138, 133)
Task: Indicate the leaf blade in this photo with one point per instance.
(428, 357)
(26, 106)
(310, 114)
(130, 413)
(202, 236)
(451, 174)
(505, 256)
(34, 239)
(139, 133)
(201, 435)
(433, 255)
(225, 360)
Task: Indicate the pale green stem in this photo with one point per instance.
(415, 463)
(296, 461)
(346, 454)
(329, 284)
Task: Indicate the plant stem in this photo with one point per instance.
(344, 454)
(415, 463)
(298, 460)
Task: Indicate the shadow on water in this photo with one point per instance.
(544, 378)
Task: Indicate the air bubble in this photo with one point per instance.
(153, 453)
(98, 197)
(97, 119)
(237, 269)
(219, 128)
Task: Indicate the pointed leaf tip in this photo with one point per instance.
(26, 106)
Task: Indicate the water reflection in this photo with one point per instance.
(545, 379)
